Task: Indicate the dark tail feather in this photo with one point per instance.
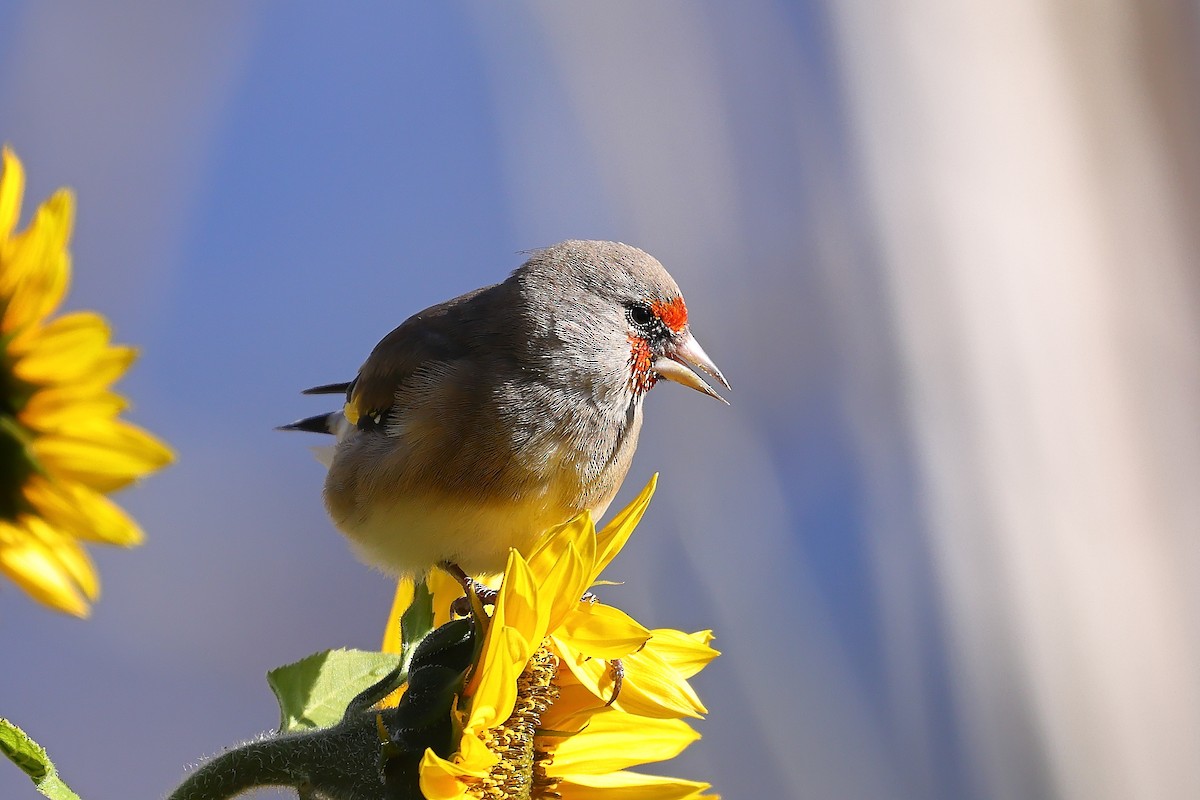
(329, 388)
(321, 423)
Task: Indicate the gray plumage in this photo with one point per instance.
(482, 421)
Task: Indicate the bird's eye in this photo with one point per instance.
(641, 315)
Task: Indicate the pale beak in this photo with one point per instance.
(685, 353)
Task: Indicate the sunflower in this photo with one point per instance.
(537, 717)
(62, 444)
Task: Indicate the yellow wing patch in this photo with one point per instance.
(350, 412)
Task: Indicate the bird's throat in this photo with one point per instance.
(641, 375)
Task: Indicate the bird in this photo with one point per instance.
(481, 423)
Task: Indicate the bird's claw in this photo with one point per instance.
(462, 606)
(487, 596)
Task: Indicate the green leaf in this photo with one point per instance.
(417, 621)
(314, 692)
(32, 759)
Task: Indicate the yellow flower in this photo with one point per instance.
(62, 445)
(444, 589)
(537, 717)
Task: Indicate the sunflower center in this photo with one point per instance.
(520, 774)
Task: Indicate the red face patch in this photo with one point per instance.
(673, 313)
(641, 376)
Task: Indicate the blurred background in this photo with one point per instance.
(947, 533)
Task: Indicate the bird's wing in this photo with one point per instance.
(438, 335)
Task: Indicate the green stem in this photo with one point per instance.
(330, 760)
(369, 755)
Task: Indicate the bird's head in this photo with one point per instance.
(612, 317)
(661, 345)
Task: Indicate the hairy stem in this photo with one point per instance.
(327, 764)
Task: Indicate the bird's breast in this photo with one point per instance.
(408, 535)
(464, 484)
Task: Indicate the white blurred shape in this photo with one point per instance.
(1038, 271)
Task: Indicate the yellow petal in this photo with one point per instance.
(81, 512)
(30, 567)
(629, 786)
(445, 590)
(109, 365)
(614, 740)
(573, 709)
(474, 756)
(400, 603)
(568, 579)
(495, 694)
(106, 369)
(65, 549)
(517, 629)
(63, 350)
(519, 607)
(51, 409)
(602, 631)
(688, 653)
(12, 187)
(37, 266)
(613, 536)
(442, 779)
(33, 566)
(108, 522)
(564, 564)
(556, 541)
(651, 688)
(102, 454)
(656, 686)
